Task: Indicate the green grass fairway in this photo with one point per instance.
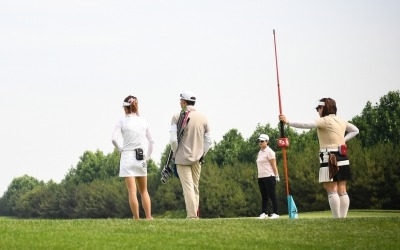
(317, 230)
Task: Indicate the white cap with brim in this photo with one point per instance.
(263, 137)
(188, 96)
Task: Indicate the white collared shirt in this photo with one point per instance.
(264, 167)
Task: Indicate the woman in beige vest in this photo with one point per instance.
(333, 133)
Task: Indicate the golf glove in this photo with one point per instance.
(277, 177)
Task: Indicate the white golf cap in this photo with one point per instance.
(188, 96)
(263, 137)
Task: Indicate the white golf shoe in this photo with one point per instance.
(274, 216)
(263, 216)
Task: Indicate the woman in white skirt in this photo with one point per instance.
(333, 133)
(132, 138)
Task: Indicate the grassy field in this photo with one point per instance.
(317, 230)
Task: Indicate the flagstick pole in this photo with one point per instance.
(281, 123)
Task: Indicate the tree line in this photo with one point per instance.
(228, 188)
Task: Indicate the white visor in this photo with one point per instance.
(319, 103)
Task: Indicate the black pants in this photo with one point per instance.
(268, 192)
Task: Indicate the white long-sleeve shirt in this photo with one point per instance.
(133, 132)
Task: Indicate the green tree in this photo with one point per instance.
(95, 166)
(26, 205)
(384, 173)
(102, 199)
(18, 188)
(229, 149)
(380, 123)
(359, 188)
(52, 201)
(220, 194)
(88, 168)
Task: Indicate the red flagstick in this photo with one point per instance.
(283, 143)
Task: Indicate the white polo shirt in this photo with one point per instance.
(263, 165)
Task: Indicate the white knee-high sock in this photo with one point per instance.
(344, 204)
(334, 203)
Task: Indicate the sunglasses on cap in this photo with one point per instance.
(317, 108)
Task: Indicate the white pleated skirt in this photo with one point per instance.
(344, 168)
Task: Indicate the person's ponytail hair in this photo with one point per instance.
(134, 107)
(329, 107)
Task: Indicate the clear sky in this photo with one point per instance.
(67, 65)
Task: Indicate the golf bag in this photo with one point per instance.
(170, 168)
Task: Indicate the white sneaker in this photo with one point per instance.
(274, 216)
(263, 216)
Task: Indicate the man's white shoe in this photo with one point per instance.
(274, 216)
(263, 216)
